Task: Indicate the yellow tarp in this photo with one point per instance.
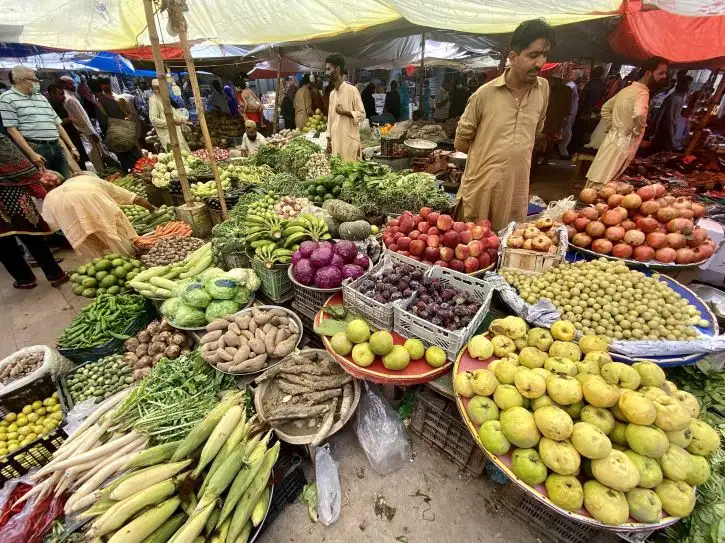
(119, 24)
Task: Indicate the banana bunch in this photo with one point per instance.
(271, 254)
(306, 226)
(274, 239)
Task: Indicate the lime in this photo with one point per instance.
(82, 270)
(128, 267)
(329, 196)
(136, 263)
(78, 290)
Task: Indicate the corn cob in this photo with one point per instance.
(242, 481)
(260, 510)
(223, 477)
(153, 456)
(201, 432)
(193, 525)
(148, 522)
(164, 532)
(238, 435)
(146, 478)
(218, 437)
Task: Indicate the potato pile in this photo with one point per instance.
(243, 343)
(19, 367)
(171, 249)
(159, 339)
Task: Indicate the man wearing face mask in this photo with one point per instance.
(33, 124)
(626, 117)
(498, 128)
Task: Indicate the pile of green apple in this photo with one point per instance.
(364, 346)
(569, 414)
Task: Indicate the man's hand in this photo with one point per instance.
(342, 111)
(38, 160)
(178, 123)
(329, 144)
(75, 154)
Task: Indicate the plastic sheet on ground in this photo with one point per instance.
(543, 313)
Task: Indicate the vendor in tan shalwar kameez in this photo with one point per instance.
(626, 116)
(498, 129)
(345, 114)
(303, 103)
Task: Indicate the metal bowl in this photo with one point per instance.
(420, 147)
(459, 159)
(714, 298)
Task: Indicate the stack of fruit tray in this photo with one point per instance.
(379, 315)
(409, 325)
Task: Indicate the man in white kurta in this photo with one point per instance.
(626, 116)
(345, 114)
(158, 120)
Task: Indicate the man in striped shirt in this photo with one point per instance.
(32, 123)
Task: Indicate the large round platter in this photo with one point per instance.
(303, 436)
(416, 373)
(652, 265)
(201, 329)
(466, 363)
(274, 361)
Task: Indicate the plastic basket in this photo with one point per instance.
(547, 524)
(65, 391)
(308, 302)
(436, 421)
(39, 452)
(289, 480)
(381, 316)
(113, 346)
(236, 260)
(451, 341)
(275, 282)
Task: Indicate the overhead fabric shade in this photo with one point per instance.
(679, 39)
(691, 8)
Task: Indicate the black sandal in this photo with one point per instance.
(25, 286)
(59, 282)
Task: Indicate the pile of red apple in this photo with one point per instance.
(644, 225)
(539, 235)
(436, 239)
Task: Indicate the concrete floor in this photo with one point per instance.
(433, 500)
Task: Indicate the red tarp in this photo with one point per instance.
(168, 52)
(677, 38)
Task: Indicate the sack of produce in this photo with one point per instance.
(29, 364)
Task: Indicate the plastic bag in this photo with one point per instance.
(328, 486)
(53, 363)
(381, 433)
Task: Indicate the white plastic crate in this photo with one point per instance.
(451, 341)
(378, 315)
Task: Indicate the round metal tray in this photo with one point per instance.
(466, 363)
(272, 361)
(304, 436)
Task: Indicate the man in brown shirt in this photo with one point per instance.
(498, 129)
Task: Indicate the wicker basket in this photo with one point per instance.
(451, 341)
(215, 215)
(275, 281)
(379, 315)
(436, 421)
(527, 261)
(388, 146)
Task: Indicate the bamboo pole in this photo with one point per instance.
(165, 101)
(714, 100)
(202, 118)
(278, 92)
(422, 72)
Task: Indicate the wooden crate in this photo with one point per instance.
(527, 261)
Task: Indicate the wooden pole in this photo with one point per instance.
(202, 119)
(278, 92)
(165, 101)
(422, 72)
(714, 100)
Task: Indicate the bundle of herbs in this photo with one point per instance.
(295, 155)
(174, 396)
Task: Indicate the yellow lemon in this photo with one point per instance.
(22, 420)
(13, 436)
(37, 403)
(32, 437)
(55, 395)
(33, 417)
(41, 411)
(57, 416)
(23, 431)
(37, 428)
(28, 409)
(3, 451)
(12, 447)
(13, 427)
(10, 417)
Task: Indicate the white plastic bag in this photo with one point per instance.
(328, 486)
(381, 433)
(53, 363)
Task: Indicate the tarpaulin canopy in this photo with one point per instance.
(268, 69)
(46, 61)
(203, 50)
(681, 40)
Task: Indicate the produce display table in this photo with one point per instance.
(466, 363)
(417, 372)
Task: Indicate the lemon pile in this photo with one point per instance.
(34, 420)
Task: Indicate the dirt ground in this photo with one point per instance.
(430, 499)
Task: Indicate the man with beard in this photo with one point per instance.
(346, 112)
(498, 128)
(626, 116)
(252, 140)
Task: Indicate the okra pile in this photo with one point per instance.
(104, 319)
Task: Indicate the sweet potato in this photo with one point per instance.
(282, 334)
(242, 354)
(286, 347)
(211, 336)
(231, 351)
(217, 324)
(234, 328)
(269, 343)
(253, 364)
(261, 317)
(247, 334)
(231, 339)
(257, 346)
(223, 355)
(242, 321)
(259, 334)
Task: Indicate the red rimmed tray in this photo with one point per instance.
(417, 372)
(465, 363)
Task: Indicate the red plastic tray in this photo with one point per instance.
(416, 373)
